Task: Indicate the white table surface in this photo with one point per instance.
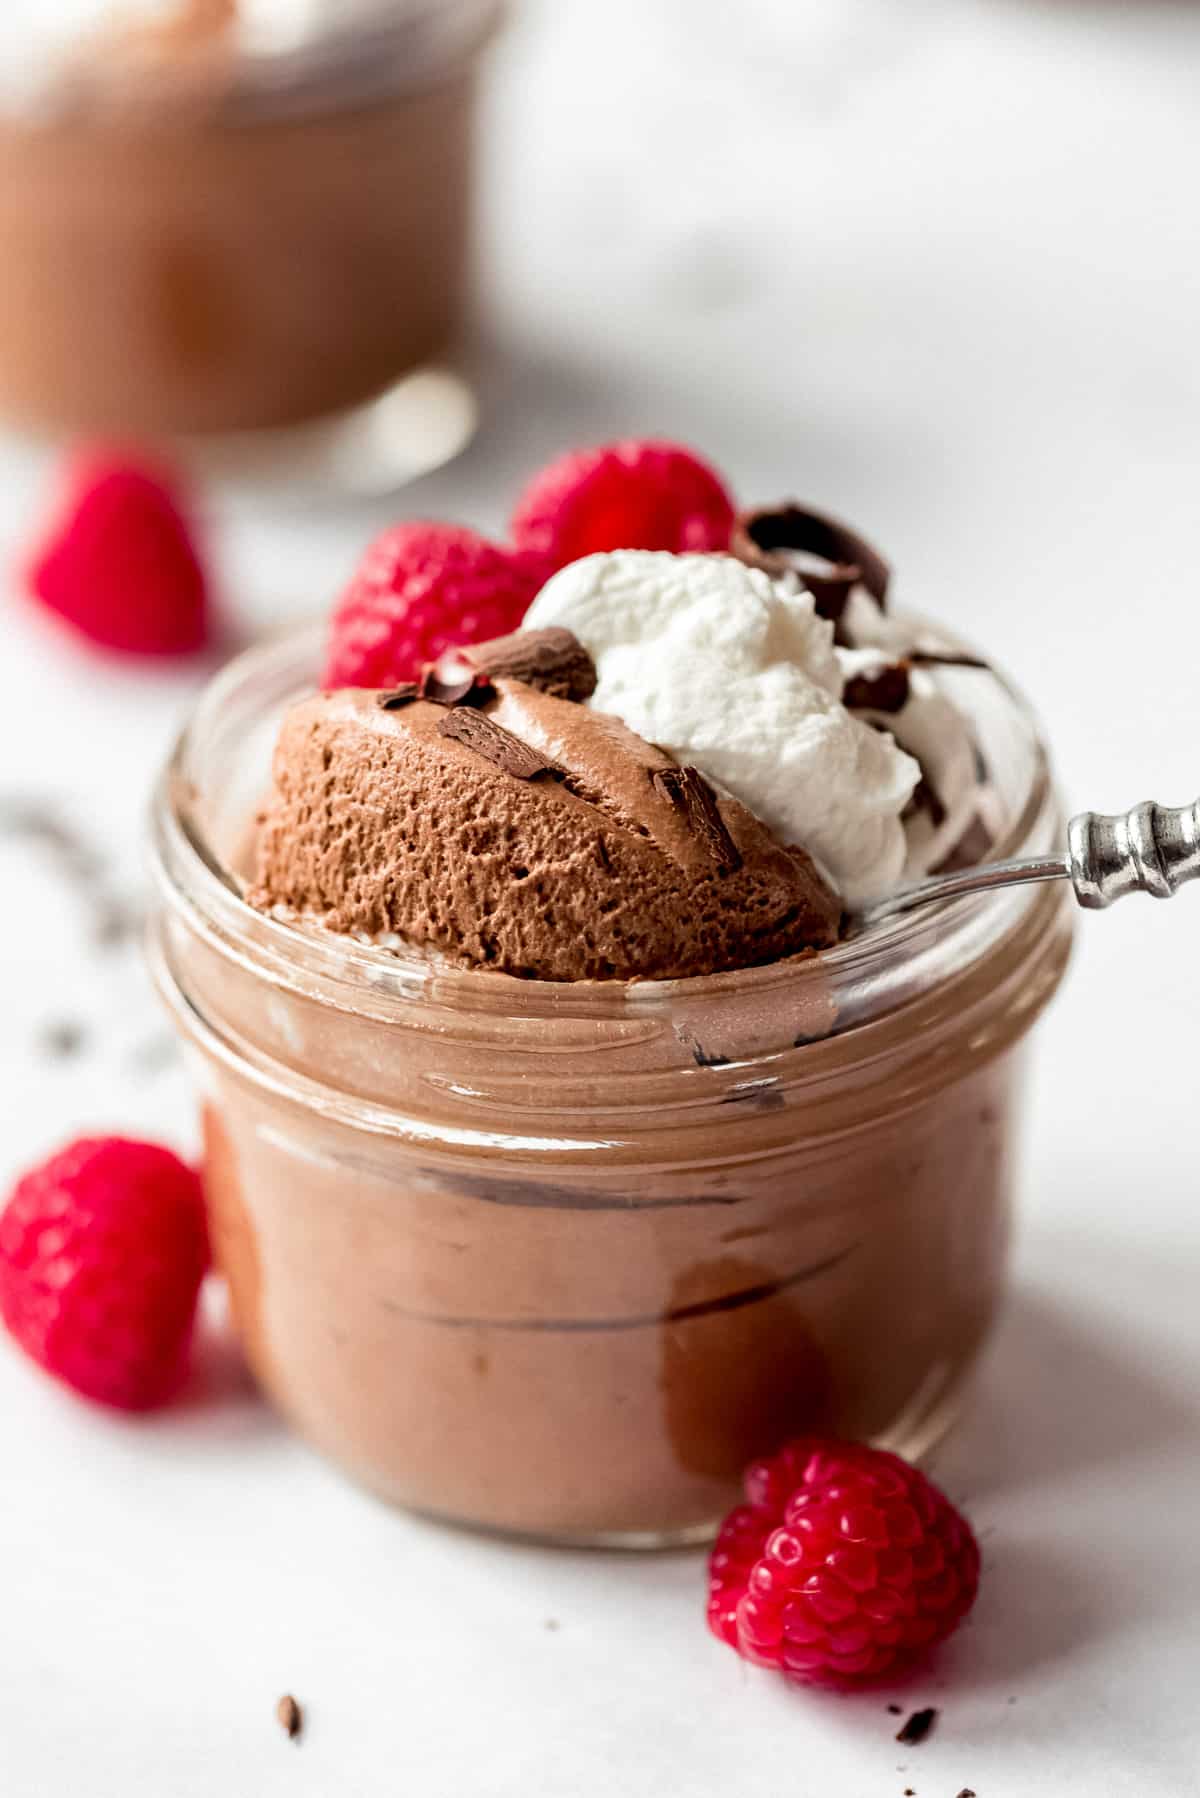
(936, 265)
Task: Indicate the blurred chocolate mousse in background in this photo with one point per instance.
(237, 216)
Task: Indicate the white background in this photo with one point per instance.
(935, 265)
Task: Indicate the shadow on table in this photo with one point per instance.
(1063, 1391)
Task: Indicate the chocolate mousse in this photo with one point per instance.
(222, 217)
(560, 1157)
(524, 833)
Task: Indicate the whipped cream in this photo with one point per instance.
(735, 673)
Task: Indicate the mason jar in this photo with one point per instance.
(559, 1259)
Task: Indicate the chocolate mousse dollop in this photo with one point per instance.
(499, 823)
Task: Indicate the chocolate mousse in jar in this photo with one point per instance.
(223, 216)
(521, 1235)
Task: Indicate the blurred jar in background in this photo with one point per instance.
(228, 215)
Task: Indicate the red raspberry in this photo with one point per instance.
(845, 1565)
(422, 589)
(119, 563)
(102, 1251)
(631, 495)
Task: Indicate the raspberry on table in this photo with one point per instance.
(119, 563)
(637, 494)
(102, 1252)
(845, 1565)
(421, 589)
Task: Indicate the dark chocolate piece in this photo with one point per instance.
(396, 697)
(290, 1716)
(925, 799)
(787, 539)
(496, 745)
(553, 660)
(886, 690)
(918, 1727)
(466, 689)
(936, 658)
(966, 1793)
(691, 794)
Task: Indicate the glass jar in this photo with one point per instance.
(225, 237)
(558, 1260)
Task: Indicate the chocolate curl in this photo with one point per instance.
(886, 690)
(466, 689)
(691, 795)
(552, 660)
(784, 539)
(496, 745)
(943, 658)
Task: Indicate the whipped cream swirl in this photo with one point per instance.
(734, 672)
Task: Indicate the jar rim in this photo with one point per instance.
(192, 873)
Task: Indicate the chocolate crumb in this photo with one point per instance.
(496, 745)
(910, 1792)
(553, 660)
(966, 1793)
(896, 1710)
(703, 1060)
(788, 538)
(290, 1716)
(691, 794)
(62, 1040)
(885, 691)
(396, 697)
(918, 1727)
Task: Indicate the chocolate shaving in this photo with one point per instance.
(290, 1716)
(470, 689)
(937, 658)
(887, 690)
(496, 745)
(691, 794)
(788, 538)
(467, 689)
(396, 697)
(553, 660)
(925, 799)
(918, 1726)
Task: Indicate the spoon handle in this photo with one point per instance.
(1151, 849)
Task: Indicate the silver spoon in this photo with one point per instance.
(1152, 849)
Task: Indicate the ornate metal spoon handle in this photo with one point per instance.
(1152, 849)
